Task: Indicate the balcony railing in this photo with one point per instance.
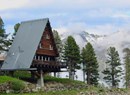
(51, 63)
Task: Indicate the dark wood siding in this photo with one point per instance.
(45, 57)
(47, 45)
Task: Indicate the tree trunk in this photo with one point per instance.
(71, 70)
(88, 78)
(113, 82)
(113, 79)
(54, 74)
(84, 76)
(58, 74)
(84, 72)
(71, 75)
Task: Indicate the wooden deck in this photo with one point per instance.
(47, 66)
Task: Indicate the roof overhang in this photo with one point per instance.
(23, 69)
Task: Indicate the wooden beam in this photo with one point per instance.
(42, 78)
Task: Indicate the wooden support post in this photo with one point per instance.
(42, 78)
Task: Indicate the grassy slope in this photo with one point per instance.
(65, 81)
(4, 79)
(80, 92)
(72, 92)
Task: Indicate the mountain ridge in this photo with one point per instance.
(101, 43)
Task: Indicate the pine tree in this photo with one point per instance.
(127, 66)
(2, 30)
(4, 42)
(58, 44)
(113, 71)
(90, 64)
(16, 27)
(71, 56)
(59, 47)
(83, 57)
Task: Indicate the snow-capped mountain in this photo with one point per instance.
(82, 37)
(101, 43)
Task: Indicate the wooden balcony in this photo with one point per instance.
(47, 66)
(51, 63)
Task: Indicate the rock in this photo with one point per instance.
(82, 93)
(7, 91)
(35, 90)
(38, 87)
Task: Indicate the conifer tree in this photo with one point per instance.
(113, 70)
(127, 67)
(4, 42)
(16, 27)
(90, 64)
(59, 47)
(58, 44)
(71, 56)
(83, 57)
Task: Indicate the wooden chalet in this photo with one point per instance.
(33, 49)
(46, 53)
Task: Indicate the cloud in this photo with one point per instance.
(107, 29)
(64, 4)
(121, 15)
(69, 15)
(72, 27)
(80, 4)
(12, 4)
(103, 29)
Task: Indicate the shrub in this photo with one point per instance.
(22, 74)
(17, 85)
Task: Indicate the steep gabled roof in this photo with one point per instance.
(25, 44)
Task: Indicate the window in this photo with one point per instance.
(40, 45)
(51, 47)
(47, 36)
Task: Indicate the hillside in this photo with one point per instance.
(58, 86)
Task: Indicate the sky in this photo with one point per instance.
(93, 16)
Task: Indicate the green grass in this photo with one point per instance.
(22, 74)
(47, 78)
(70, 92)
(16, 84)
(62, 80)
(4, 79)
(65, 92)
(65, 81)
